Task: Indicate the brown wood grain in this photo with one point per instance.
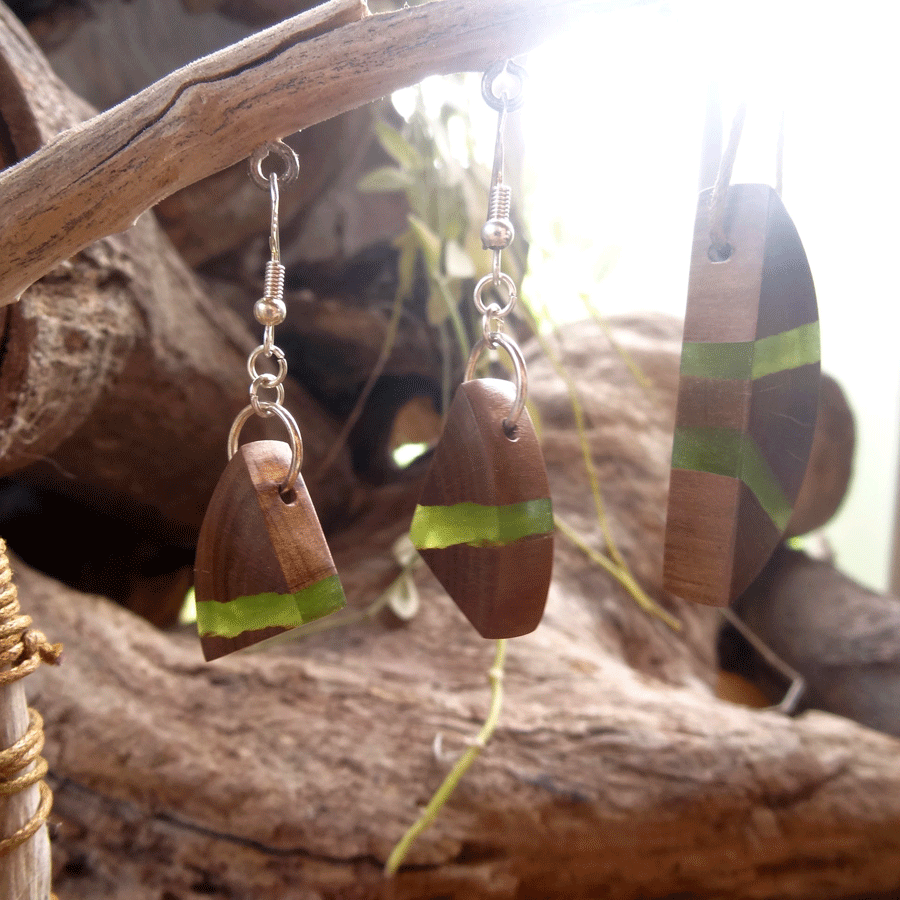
(713, 403)
(755, 541)
(700, 535)
(475, 462)
(502, 590)
(763, 288)
(783, 421)
(253, 542)
(723, 297)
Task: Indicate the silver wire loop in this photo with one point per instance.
(265, 382)
(510, 286)
(278, 353)
(515, 354)
(296, 441)
(287, 157)
(491, 322)
(504, 101)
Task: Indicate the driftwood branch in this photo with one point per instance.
(95, 180)
(118, 367)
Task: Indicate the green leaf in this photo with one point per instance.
(429, 243)
(399, 148)
(406, 263)
(384, 181)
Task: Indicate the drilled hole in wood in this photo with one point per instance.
(288, 497)
(511, 432)
(720, 254)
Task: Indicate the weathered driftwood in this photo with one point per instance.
(97, 179)
(830, 461)
(844, 639)
(615, 771)
(118, 368)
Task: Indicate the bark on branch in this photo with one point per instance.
(94, 180)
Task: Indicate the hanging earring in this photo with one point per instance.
(263, 566)
(484, 523)
(748, 390)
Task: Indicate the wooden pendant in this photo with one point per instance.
(484, 523)
(263, 566)
(747, 399)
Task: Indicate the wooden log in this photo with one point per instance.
(120, 375)
(842, 638)
(830, 461)
(96, 180)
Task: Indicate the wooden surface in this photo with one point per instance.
(502, 588)
(217, 111)
(614, 773)
(843, 638)
(119, 370)
(253, 542)
(747, 399)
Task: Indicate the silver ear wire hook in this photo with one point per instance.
(496, 235)
(269, 311)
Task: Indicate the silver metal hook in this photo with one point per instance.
(496, 341)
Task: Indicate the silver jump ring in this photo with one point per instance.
(491, 323)
(504, 101)
(284, 153)
(268, 383)
(511, 290)
(278, 353)
(296, 441)
(521, 373)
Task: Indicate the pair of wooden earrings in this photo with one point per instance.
(748, 390)
(484, 522)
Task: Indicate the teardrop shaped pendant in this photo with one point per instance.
(484, 523)
(263, 566)
(747, 398)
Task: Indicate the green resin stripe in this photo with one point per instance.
(437, 527)
(752, 359)
(270, 610)
(724, 451)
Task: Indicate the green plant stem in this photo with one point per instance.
(429, 814)
(578, 413)
(622, 574)
(387, 345)
(643, 381)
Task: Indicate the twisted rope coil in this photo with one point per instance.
(22, 650)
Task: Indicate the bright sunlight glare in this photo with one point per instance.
(613, 128)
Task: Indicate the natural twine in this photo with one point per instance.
(22, 650)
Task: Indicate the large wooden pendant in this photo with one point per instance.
(484, 523)
(747, 399)
(263, 566)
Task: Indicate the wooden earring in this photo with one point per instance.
(263, 566)
(484, 522)
(747, 397)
